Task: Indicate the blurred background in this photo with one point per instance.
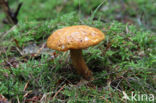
(139, 12)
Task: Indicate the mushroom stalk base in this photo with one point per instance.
(80, 65)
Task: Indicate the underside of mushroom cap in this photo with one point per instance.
(74, 37)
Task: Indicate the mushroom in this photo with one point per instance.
(76, 38)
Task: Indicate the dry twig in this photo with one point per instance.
(10, 30)
(11, 16)
(58, 91)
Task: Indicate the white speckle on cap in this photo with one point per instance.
(62, 46)
(74, 33)
(86, 39)
(93, 34)
(68, 37)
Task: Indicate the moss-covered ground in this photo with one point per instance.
(124, 62)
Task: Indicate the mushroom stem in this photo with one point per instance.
(79, 64)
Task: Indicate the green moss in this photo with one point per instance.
(124, 61)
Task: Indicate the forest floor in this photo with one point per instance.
(124, 63)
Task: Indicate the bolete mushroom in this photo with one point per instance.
(76, 38)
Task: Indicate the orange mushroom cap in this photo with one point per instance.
(74, 37)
